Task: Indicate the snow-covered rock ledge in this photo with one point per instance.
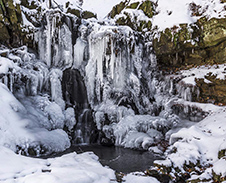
(198, 152)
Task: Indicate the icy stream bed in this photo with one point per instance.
(117, 158)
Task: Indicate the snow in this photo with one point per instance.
(202, 71)
(82, 168)
(209, 108)
(5, 65)
(133, 178)
(175, 12)
(70, 119)
(135, 15)
(25, 21)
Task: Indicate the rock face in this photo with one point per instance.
(10, 23)
(194, 45)
(201, 43)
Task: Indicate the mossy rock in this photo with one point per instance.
(218, 177)
(31, 5)
(75, 12)
(118, 9)
(214, 92)
(133, 6)
(213, 30)
(12, 11)
(216, 54)
(173, 41)
(10, 19)
(4, 36)
(133, 23)
(165, 44)
(148, 8)
(221, 153)
(205, 44)
(88, 14)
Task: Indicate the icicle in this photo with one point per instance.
(171, 87)
(48, 42)
(187, 94)
(80, 48)
(56, 88)
(5, 80)
(11, 82)
(112, 60)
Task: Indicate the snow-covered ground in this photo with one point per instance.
(169, 12)
(82, 168)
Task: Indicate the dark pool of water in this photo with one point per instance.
(117, 158)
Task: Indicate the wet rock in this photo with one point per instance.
(74, 90)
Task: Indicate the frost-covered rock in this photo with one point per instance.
(138, 131)
(22, 132)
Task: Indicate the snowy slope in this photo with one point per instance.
(100, 7)
(175, 12)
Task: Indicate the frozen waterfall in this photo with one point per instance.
(100, 78)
